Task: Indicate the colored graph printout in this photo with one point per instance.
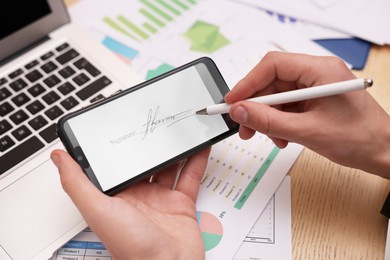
(236, 167)
(205, 37)
(148, 18)
(270, 237)
(240, 179)
(193, 33)
(263, 231)
(211, 228)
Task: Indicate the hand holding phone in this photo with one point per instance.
(143, 129)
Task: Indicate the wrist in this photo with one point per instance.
(373, 151)
(381, 156)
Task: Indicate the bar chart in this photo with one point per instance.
(148, 18)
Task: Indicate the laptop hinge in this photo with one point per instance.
(21, 52)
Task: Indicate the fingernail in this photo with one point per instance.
(56, 160)
(240, 115)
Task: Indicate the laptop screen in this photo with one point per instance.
(19, 31)
(13, 22)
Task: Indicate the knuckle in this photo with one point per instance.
(271, 55)
(336, 62)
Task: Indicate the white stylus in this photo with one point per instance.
(296, 95)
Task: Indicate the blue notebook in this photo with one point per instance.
(352, 50)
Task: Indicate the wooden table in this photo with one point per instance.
(335, 209)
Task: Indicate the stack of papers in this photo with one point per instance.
(243, 207)
(152, 42)
(346, 28)
(366, 19)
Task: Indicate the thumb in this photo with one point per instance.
(74, 181)
(266, 120)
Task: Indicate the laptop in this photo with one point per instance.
(48, 67)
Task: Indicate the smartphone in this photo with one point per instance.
(137, 132)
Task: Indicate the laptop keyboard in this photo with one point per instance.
(33, 97)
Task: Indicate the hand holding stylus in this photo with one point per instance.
(349, 128)
(296, 95)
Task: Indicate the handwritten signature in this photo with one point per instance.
(153, 120)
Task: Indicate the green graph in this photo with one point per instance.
(158, 71)
(256, 179)
(205, 37)
(155, 15)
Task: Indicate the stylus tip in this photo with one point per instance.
(202, 112)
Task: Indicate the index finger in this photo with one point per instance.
(286, 69)
(192, 174)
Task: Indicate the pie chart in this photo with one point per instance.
(211, 229)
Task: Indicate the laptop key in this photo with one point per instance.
(35, 107)
(93, 88)
(19, 153)
(34, 75)
(37, 122)
(51, 81)
(36, 90)
(18, 84)
(15, 73)
(4, 126)
(3, 81)
(66, 72)
(62, 47)
(81, 79)
(5, 143)
(20, 99)
(47, 55)
(69, 103)
(50, 133)
(31, 64)
(53, 112)
(66, 88)
(4, 93)
(98, 97)
(5, 108)
(21, 133)
(67, 56)
(18, 117)
(84, 64)
(50, 97)
(49, 67)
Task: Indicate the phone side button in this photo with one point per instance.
(80, 157)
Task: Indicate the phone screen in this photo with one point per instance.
(141, 130)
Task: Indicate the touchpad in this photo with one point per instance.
(35, 212)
